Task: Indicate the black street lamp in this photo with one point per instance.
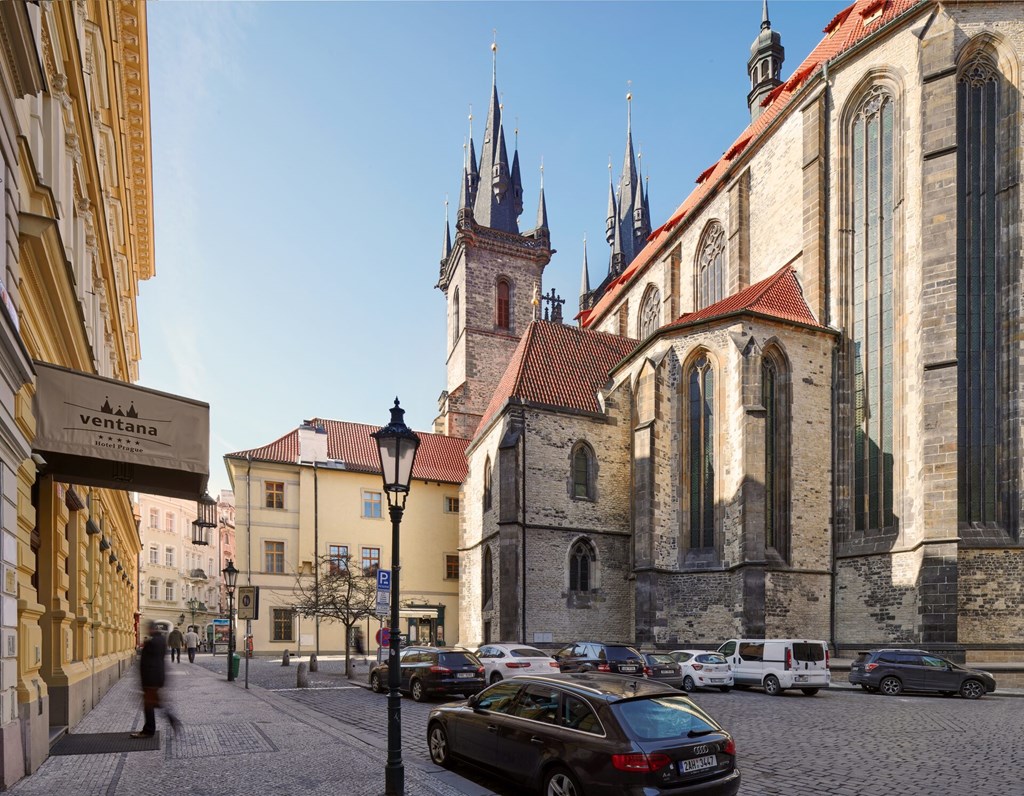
(230, 579)
(206, 514)
(397, 446)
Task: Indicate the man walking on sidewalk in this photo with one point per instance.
(191, 642)
(176, 641)
(153, 672)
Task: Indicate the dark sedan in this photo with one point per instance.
(892, 671)
(663, 668)
(428, 671)
(588, 735)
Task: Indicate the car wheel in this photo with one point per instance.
(724, 688)
(972, 689)
(772, 686)
(688, 684)
(496, 677)
(891, 686)
(375, 684)
(809, 691)
(437, 741)
(561, 782)
(417, 691)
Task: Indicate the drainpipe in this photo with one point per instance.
(316, 557)
(248, 557)
(522, 601)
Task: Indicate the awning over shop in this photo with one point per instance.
(103, 432)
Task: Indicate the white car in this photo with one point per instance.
(507, 659)
(703, 669)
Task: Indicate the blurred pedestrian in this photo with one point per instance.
(191, 643)
(176, 641)
(358, 633)
(152, 673)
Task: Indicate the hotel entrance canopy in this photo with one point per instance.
(102, 432)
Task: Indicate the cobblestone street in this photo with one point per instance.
(843, 742)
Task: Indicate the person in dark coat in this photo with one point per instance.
(176, 640)
(152, 673)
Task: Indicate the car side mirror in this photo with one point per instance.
(472, 701)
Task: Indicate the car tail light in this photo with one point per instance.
(827, 658)
(697, 666)
(641, 763)
(554, 664)
(440, 670)
(480, 670)
(517, 665)
(730, 747)
(789, 659)
(649, 671)
(603, 667)
(870, 667)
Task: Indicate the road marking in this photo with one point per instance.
(326, 688)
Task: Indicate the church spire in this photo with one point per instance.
(765, 64)
(517, 180)
(585, 279)
(542, 208)
(491, 207)
(446, 246)
(628, 198)
(609, 225)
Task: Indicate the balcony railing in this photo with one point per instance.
(197, 574)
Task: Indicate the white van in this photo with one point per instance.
(778, 663)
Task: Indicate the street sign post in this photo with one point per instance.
(384, 580)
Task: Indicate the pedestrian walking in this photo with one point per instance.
(176, 641)
(191, 643)
(358, 633)
(152, 673)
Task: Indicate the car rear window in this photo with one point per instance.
(651, 658)
(659, 718)
(527, 652)
(621, 653)
(711, 657)
(450, 659)
(803, 651)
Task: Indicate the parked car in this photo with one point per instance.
(507, 659)
(427, 671)
(703, 669)
(661, 667)
(593, 734)
(893, 671)
(596, 656)
(778, 663)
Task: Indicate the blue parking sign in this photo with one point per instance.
(383, 580)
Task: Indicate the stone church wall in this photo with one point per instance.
(876, 599)
(797, 605)
(698, 609)
(991, 597)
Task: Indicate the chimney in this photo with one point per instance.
(312, 442)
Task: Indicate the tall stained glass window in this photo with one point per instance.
(872, 311)
(981, 336)
(650, 312)
(702, 454)
(711, 266)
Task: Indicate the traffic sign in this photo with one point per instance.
(383, 580)
(383, 602)
(383, 637)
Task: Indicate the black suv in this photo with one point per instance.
(432, 670)
(596, 656)
(892, 671)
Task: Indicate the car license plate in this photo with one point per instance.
(717, 679)
(697, 764)
(627, 668)
(800, 678)
(465, 675)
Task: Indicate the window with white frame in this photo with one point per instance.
(169, 521)
(154, 590)
(169, 556)
(451, 505)
(154, 518)
(154, 554)
(169, 590)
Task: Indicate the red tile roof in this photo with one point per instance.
(842, 33)
(778, 296)
(439, 458)
(559, 366)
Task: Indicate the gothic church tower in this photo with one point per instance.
(490, 276)
(765, 64)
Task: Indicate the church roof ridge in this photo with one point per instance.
(845, 31)
(439, 458)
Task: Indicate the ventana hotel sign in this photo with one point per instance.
(105, 432)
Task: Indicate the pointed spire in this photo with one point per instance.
(585, 280)
(764, 68)
(490, 208)
(627, 198)
(517, 180)
(765, 22)
(472, 174)
(609, 228)
(542, 208)
(446, 247)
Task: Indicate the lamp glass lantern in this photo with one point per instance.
(230, 574)
(200, 533)
(206, 518)
(396, 446)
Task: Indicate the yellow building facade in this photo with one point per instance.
(317, 492)
(77, 241)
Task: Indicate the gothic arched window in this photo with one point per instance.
(503, 299)
(701, 453)
(650, 312)
(583, 472)
(582, 560)
(487, 578)
(873, 295)
(487, 484)
(455, 316)
(775, 398)
(986, 250)
(710, 286)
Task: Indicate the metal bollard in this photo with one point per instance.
(314, 666)
(286, 659)
(302, 676)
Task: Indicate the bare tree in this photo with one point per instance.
(342, 594)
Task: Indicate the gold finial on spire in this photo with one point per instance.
(494, 56)
(535, 301)
(501, 101)
(542, 172)
(629, 91)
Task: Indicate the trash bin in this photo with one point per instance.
(234, 664)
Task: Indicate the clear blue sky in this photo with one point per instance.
(302, 152)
